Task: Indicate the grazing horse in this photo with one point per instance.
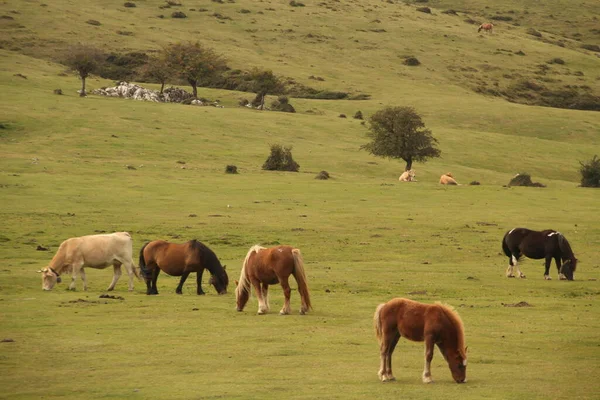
(408, 176)
(488, 27)
(94, 251)
(435, 324)
(181, 260)
(546, 244)
(448, 179)
(267, 266)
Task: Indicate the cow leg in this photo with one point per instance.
(429, 346)
(84, 279)
(181, 282)
(116, 276)
(547, 270)
(287, 291)
(129, 267)
(265, 289)
(75, 270)
(199, 274)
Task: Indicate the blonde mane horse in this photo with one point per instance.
(268, 266)
(435, 324)
(448, 179)
(488, 27)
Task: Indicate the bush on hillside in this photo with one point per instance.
(281, 159)
(129, 4)
(358, 115)
(178, 14)
(282, 104)
(231, 169)
(590, 172)
(425, 10)
(591, 47)
(533, 32)
(323, 175)
(524, 179)
(411, 61)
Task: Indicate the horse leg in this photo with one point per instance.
(512, 260)
(116, 276)
(265, 289)
(561, 276)
(153, 288)
(262, 307)
(199, 274)
(391, 340)
(287, 291)
(429, 346)
(547, 270)
(181, 282)
(519, 273)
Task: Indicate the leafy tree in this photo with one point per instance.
(194, 63)
(84, 60)
(264, 82)
(157, 69)
(590, 172)
(399, 132)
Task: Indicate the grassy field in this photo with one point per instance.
(365, 237)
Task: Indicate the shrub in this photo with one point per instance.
(295, 3)
(590, 172)
(449, 12)
(178, 14)
(524, 179)
(129, 4)
(425, 10)
(533, 32)
(475, 183)
(342, 115)
(93, 22)
(358, 115)
(591, 47)
(323, 175)
(501, 18)
(281, 159)
(411, 61)
(282, 104)
(231, 169)
(557, 60)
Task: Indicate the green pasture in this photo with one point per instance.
(73, 166)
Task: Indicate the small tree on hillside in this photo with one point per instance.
(399, 132)
(157, 69)
(194, 63)
(265, 82)
(84, 60)
(590, 172)
(281, 159)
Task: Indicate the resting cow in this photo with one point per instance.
(408, 176)
(94, 251)
(448, 179)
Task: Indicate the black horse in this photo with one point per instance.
(546, 244)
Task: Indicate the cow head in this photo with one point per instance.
(49, 278)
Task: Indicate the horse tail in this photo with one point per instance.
(565, 248)
(505, 247)
(300, 276)
(377, 321)
(142, 262)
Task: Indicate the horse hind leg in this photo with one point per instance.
(287, 292)
(512, 261)
(265, 293)
(547, 269)
(390, 340)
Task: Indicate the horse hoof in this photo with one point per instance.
(283, 312)
(201, 294)
(522, 276)
(427, 380)
(547, 277)
(388, 379)
(510, 276)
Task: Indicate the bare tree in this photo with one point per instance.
(399, 132)
(194, 63)
(84, 60)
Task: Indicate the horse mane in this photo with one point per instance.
(453, 316)
(565, 247)
(206, 254)
(244, 282)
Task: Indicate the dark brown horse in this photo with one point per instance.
(181, 260)
(435, 324)
(546, 244)
(488, 27)
(268, 266)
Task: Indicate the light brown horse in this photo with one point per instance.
(488, 27)
(181, 260)
(437, 324)
(448, 179)
(268, 266)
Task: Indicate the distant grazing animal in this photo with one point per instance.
(488, 27)
(181, 260)
(94, 251)
(435, 324)
(268, 266)
(408, 176)
(546, 244)
(448, 179)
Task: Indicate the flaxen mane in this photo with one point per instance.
(244, 282)
(453, 316)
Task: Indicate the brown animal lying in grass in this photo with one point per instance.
(448, 179)
(408, 176)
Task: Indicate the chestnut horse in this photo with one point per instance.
(488, 27)
(181, 260)
(437, 324)
(546, 244)
(268, 266)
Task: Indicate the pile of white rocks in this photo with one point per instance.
(136, 92)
